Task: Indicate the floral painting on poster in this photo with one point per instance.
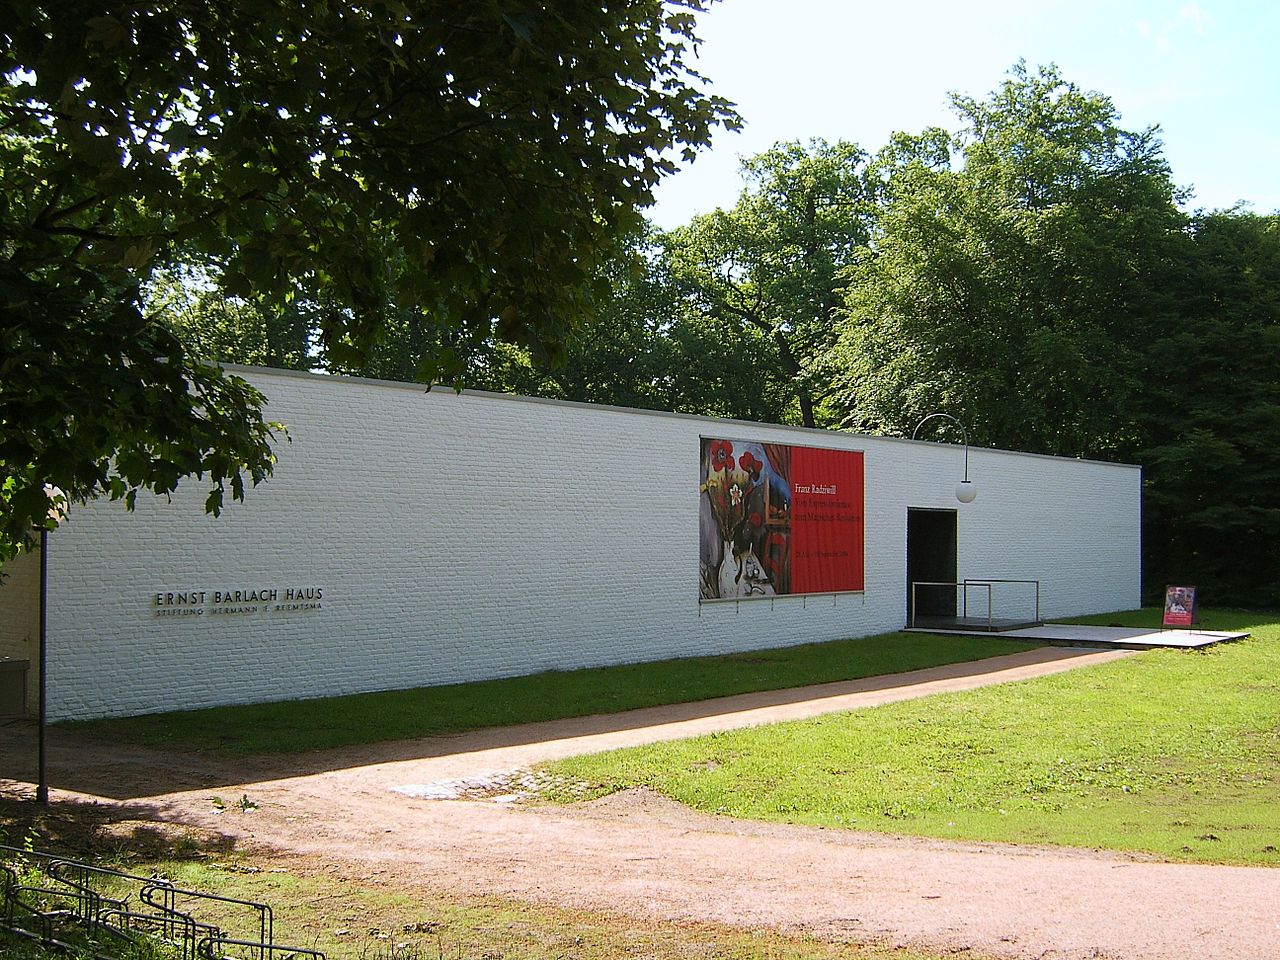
(777, 519)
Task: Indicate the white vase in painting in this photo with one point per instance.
(753, 582)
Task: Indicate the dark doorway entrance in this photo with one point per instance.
(931, 558)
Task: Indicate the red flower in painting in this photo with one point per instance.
(751, 465)
(721, 454)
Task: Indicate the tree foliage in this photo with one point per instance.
(768, 269)
(647, 347)
(1034, 275)
(213, 326)
(96, 399)
(446, 166)
(1013, 272)
(652, 348)
(1210, 416)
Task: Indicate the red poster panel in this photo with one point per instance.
(777, 519)
(826, 520)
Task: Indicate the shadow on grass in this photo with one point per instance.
(120, 835)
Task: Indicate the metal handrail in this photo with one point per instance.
(168, 905)
(964, 584)
(209, 949)
(71, 900)
(993, 580)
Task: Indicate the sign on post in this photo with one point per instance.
(1179, 606)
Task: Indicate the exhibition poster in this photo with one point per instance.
(1179, 606)
(778, 519)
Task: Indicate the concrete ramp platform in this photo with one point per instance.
(974, 625)
(1106, 638)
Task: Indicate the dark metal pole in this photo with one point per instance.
(42, 784)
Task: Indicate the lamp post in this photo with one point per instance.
(56, 514)
(42, 781)
(966, 492)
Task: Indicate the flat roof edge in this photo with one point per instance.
(421, 388)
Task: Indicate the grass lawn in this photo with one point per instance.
(298, 725)
(1173, 753)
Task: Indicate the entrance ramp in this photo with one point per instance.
(973, 625)
(990, 605)
(1103, 638)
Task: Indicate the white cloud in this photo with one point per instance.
(1193, 16)
(1191, 19)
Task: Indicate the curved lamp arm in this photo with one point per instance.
(965, 492)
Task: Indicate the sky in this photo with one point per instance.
(1207, 73)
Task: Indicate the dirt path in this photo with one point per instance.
(640, 854)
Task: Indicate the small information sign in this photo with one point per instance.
(1179, 606)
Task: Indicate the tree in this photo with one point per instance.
(649, 347)
(95, 399)
(1210, 416)
(770, 266)
(232, 329)
(646, 347)
(1013, 273)
(451, 166)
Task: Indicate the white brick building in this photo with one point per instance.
(433, 538)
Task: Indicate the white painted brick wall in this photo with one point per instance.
(466, 537)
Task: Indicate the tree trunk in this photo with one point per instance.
(792, 366)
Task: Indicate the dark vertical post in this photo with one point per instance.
(42, 783)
